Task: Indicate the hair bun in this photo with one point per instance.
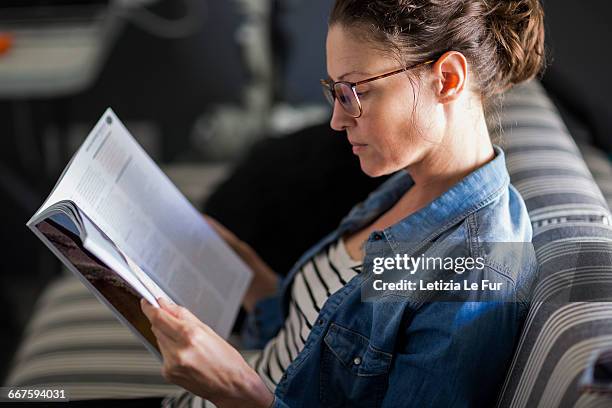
(518, 30)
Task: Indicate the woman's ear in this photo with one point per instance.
(451, 75)
(450, 83)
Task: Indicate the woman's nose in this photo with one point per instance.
(340, 120)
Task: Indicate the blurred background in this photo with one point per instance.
(210, 89)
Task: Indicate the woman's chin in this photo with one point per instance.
(371, 169)
(377, 168)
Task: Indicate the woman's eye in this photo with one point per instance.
(361, 94)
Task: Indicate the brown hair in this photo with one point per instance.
(503, 40)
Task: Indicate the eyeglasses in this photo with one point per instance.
(346, 92)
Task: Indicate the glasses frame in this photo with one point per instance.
(330, 86)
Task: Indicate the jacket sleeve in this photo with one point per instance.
(454, 354)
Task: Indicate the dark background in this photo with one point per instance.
(171, 82)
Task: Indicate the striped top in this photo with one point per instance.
(316, 281)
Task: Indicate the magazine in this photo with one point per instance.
(123, 228)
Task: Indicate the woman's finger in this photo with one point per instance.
(146, 308)
(163, 321)
(169, 307)
(181, 313)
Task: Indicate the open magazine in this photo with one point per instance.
(120, 225)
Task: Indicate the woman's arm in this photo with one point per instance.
(200, 361)
(265, 280)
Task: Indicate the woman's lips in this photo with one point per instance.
(357, 147)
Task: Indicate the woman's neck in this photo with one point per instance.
(464, 148)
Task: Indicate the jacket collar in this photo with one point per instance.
(473, 192)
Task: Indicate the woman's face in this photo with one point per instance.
(393, 132)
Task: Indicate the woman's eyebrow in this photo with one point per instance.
(340, 78)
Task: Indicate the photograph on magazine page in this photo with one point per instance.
(341, 203)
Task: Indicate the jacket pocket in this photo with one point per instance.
(353, 372)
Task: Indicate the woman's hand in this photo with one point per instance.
(265, 280)
(200, 361)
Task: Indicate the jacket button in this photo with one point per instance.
(357, 360)
(321, 322)
(377, 236)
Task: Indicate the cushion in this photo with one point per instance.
(75, 343)
(570, 316)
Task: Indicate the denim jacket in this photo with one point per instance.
(404, 348)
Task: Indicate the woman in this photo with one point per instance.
(408, 80)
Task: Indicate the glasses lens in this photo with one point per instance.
(347, 99)
(328, 93)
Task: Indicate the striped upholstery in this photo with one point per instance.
(570, 315)
(75, 342)
(599, 165)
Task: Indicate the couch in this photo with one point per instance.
(74, 342)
